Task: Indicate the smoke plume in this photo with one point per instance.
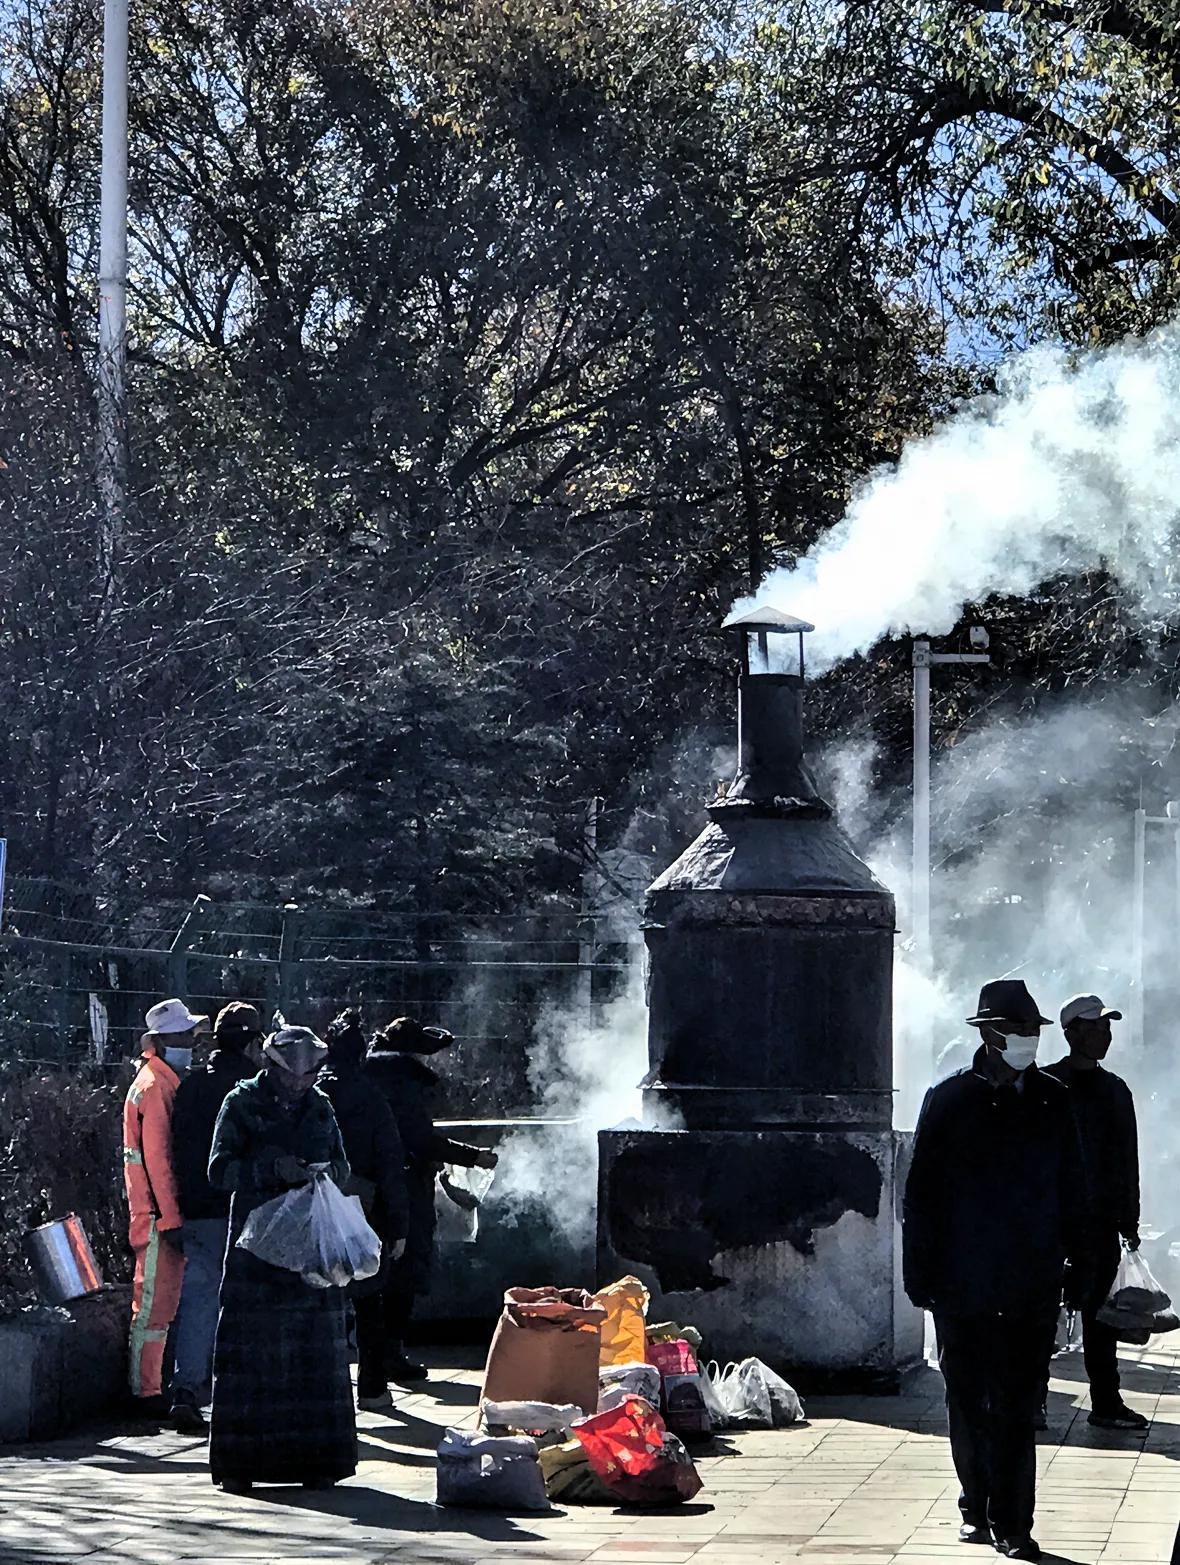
(1074, 465)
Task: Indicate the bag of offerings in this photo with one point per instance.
(498, 1473)
(317, 1231)
(624, 1334)
(636, 1457)
(1137, 1304)
(545, 1348)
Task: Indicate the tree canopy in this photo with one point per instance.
(480, 354)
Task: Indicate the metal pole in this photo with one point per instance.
(112, 288)
(587, 924)
(921, 853)
(1137, 961)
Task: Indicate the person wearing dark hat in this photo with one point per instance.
(282, 1392)
(236, 1054)
(994, 1208)
(378, 1163)
(397, 1064)
(1105, 1112)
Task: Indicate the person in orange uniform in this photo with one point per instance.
(151, 1192)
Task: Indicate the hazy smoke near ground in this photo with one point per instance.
(1032, 841)
(586, 1069)
(1074, 465)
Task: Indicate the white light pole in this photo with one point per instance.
(112, 289)
(1143, 820)
(923, 661)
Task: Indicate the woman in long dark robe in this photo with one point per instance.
(282, 1396)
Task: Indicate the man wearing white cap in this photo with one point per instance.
(154, 1231)
(1105, 1114)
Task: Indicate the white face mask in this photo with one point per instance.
(1020, 1052)
(179, 1059)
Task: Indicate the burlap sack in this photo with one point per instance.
(546, 1348)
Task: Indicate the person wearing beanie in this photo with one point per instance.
(152, 1201)
(282, 1391)
(236, 1054)
(396, 1063)
(374, 1151)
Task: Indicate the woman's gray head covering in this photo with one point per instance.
(295, 1049)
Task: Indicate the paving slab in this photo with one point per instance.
(866, 1481)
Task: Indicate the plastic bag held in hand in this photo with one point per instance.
(1137, 1303)
(314, 1230)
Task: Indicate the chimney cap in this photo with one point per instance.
(766, 618)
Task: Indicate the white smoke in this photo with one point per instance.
(1032, 835)
(586, 1069)
(1075, 465)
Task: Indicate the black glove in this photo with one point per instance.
(290, 1170)
(1133, 1241)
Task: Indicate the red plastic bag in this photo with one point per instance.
(632, 1451)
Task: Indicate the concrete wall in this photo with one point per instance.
(61, 1366)
(780, 1244)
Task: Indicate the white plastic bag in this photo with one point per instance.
(498, 1472)
(317, 1231)
(534, 1418)
(751, 1394)
(718, 1413)
(458, 1196)
(617, 1382)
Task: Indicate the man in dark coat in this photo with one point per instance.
(1105, 1112)
(396, 1064)
(237, 1046)
(994, 1207)
(375, 1156)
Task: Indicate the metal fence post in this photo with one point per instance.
(288, 965)
(182, 943)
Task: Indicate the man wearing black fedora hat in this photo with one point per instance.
(994, 1207)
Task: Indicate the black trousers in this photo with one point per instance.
(381, 1321)
(1100, 1349)
(994, 1367)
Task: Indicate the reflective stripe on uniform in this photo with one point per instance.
(140, 1332)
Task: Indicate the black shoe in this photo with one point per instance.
(187, 1418)
(237, 1485)
(319, 1483)
(1018, 1548)
(402, 1369)
(972, 1532)
(154, 1409)
(1120, 1417)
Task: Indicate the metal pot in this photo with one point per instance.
(62, 1261)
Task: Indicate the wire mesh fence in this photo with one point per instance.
(78, 974)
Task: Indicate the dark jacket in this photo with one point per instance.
(198, 1103)
(410, 1088)
(995, 1201)
(255, 1129)
(375, 1154)
(1105, 1114)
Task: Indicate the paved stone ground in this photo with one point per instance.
(864, 1481)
